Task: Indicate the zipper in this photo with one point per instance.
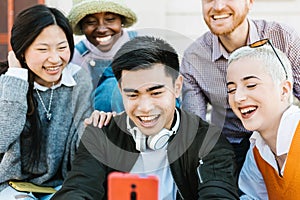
(198, 170)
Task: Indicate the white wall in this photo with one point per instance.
(286, 11)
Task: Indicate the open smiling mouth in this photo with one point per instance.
(104, 39)
(223, 16)
(248, 111)
(147, 120)
(50, 69)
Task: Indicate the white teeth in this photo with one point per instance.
(103, 39)
(149, 118)
(246, 110)
(221, 16)
(52, 68)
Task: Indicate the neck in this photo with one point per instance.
(271, 141)
(45, 83)
(270, 134)
(236, 38)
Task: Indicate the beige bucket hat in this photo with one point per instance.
(81, 8)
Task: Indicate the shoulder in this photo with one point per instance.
(194, 120)
(199, 131)
(270, 24)
(118, 123)
(273, 28)
(78, 79)
(82, 45)
(80, 75)
(200, 50)
(203, 42)
(116, 131)
(83, 49)
(208, 135)
(132, 34)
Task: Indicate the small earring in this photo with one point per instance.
(23, 58)
(122, 25)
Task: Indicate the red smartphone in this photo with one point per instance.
(128, 186)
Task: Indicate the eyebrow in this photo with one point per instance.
(130, 90)
(155, 88)
(62, 42)
(147, 90)
(243, 79)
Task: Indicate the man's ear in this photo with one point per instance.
(286, 89)
(178, 85)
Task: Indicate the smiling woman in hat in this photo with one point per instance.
(102, 22)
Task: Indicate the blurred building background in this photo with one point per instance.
(179, 21)
(186, 16)
(182, 22)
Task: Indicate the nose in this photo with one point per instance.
(101, 27)
(219, 4)
(240, 95)
(145, 104)
(54, 57)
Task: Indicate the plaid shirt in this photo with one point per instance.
(204, 68)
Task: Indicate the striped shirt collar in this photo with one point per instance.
(219, 50)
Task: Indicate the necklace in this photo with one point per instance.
(48, 113)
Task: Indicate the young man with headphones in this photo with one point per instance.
(153, 137)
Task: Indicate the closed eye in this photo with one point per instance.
(231, 90)
(62, 48)
(42, 49)
(156, 93)
(90, 22)
(251, 85)
(110, 19)
(131, 95)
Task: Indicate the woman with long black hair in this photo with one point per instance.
(43, 99)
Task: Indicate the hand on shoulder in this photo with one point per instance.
(99, 118)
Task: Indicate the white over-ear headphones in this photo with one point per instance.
(154, 142)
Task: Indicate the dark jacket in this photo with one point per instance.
(112, 148)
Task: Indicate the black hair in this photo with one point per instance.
(3, 67)
(28, 24)
(143, 52)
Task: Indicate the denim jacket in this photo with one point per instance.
(107, 96)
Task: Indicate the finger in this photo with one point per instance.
(87, 122)
(108, 118)
(95, 117)
(103, 116)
